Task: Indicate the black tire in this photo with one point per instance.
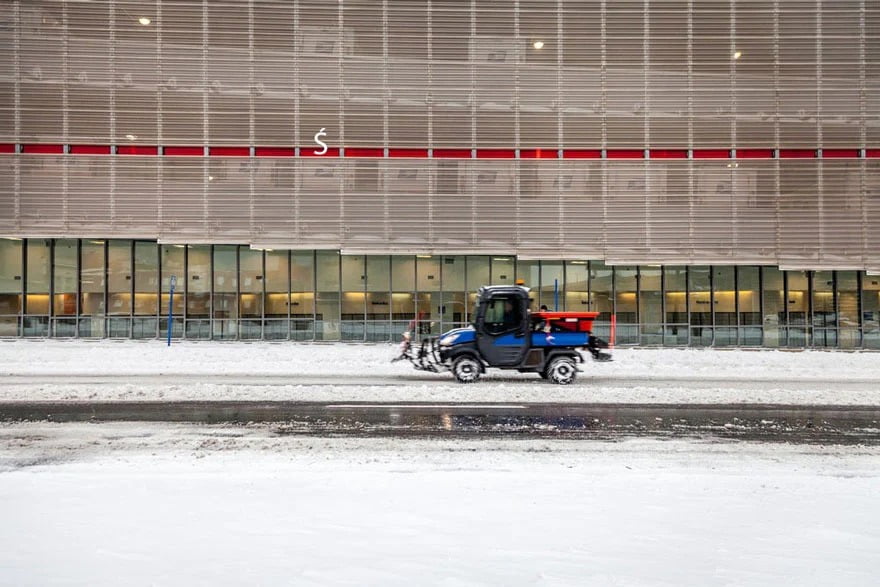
(543, 374)
(466, 369)
(562, 370)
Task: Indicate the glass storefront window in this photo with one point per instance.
(428, 273)
(65, 275)
(353, 297)
(626, 304)
(302, 296)
(91, 302)
(453, 273)
(724, 305)
(552, 288)
(146, 279)
(378, 275)
(327, 303)
(700, 305)
(403, 301)
(233, 291)
(798, 307)
(530, 273)
(92, 278)
(10, 276)
(353, 273)
(302, 271)
(773, 296)
(403, 273)
(478, 273)
(10, 285)
(378, 302)
(824, 307)
(225, 305)
(601, 289)
(251, 279)
(749, 305)
(250, 263)
(119, 278)
(871, 310)
(502, 271)
(848, 309)
(577, 297)
(277, 282)
(172, 264)
(675, 298)
(38, 271)
(428, 285)
(651, 304)
(198, 293)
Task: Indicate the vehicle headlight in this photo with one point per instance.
(448, 340)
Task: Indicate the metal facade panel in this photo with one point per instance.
(534, 76)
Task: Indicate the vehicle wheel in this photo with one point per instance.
(466, 369)
(561, 370)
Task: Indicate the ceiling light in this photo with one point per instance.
(210, 178)
(144, 20)
(737, 54)
(538, 44)
(131, 137)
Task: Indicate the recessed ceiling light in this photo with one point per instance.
(737, 54)
(144, 20)
(210, 178)
(131, 137)
(538, 44)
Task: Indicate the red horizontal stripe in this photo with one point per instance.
(496, 153)
(45, 149)
(582, 154)
(831, 153)
(178, 151)
(89, 149)
(797, 153)
(243, 151)
(415, 153)
(137, 150)
(229, 151)
(668, 153)
(711, 154)
(274, 151)
(310, 152)
(754, 153)
(452, 153)
(625, 154)
(538, 154)
(364, 152)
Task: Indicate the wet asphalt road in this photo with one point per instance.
(778, 423)
(694, 382)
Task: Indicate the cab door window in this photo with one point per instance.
(503, 314)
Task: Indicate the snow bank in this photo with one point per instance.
(59, 357)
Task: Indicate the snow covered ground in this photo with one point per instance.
(112, 504)
(148, 370)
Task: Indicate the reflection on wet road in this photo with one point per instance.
(803, 424)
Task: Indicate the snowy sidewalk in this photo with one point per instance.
(145, 370)
(130, 504)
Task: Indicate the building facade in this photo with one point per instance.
(706, 172)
